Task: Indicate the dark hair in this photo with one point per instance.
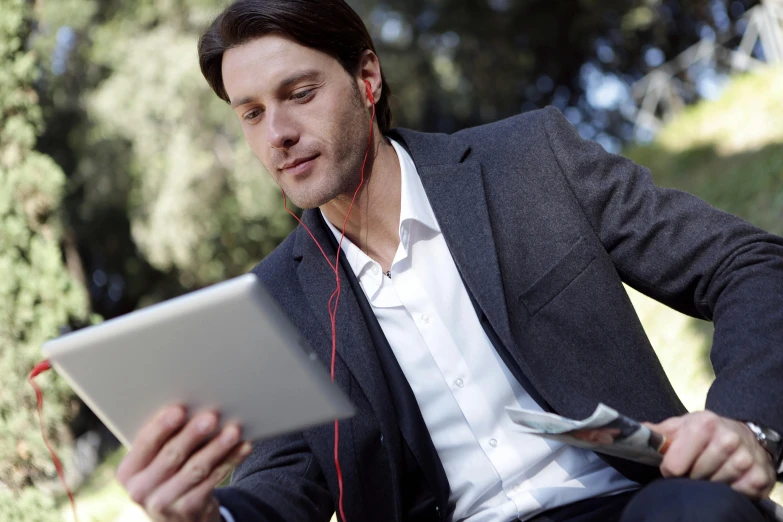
(329, 26)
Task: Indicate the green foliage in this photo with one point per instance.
(37, 295)
(728, 151)
(199, 201)
(30, 505)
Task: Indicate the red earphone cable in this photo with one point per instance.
(335, 297)
(37, 370)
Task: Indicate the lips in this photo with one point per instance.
(299, 165)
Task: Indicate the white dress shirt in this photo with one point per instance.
(461, 384)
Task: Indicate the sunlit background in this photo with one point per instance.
(124, 181)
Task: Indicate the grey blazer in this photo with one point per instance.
(544, 228)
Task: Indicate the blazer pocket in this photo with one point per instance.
(557, 278)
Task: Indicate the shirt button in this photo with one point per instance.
(493, 443)
(425, 318)
(460, 383)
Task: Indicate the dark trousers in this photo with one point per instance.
(671, 500)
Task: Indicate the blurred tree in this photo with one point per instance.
(166, 196)
(37, 294)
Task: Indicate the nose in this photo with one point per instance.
(281, 131)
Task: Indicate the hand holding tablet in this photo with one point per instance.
(174, 465)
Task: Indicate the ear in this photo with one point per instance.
(370, 73)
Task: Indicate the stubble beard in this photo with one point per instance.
(343, 178)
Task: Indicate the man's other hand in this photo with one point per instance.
(174, 465)
(709, 447)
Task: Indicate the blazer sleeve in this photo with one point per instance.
(279, 482)
(692, 257)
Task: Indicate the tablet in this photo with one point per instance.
(228, 347)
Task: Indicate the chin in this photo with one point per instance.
(308, 201)
(308, 206)
(318, 189)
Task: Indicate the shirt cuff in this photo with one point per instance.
(226, 514)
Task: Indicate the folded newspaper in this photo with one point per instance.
(607, 431)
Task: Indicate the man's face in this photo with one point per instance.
(302, 115)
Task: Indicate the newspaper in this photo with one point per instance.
(607, 431)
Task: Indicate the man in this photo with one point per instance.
(480, 270)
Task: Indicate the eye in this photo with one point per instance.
(302, 95)
(252, 115)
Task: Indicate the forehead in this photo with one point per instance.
(261, 64)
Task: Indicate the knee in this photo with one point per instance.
(685, 500)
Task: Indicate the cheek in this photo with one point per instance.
(255, 139)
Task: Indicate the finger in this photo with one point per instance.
(735, 467)
(235, 458)
(148, 442)
(192, 502)
(757, 482)
(691, 439)
(172, 455)
(720, 448)
(198, 468)
(667, 427)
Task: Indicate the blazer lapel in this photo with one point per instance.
(455, 190)
(354, 344)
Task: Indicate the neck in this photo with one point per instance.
(373, 224)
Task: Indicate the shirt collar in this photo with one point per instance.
(359, 261)
(414, 207)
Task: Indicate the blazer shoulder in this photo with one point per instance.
(528, 125)
(279, 267)
(515, 136)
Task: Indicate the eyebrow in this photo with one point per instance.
(242, 101)
(307, 74)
